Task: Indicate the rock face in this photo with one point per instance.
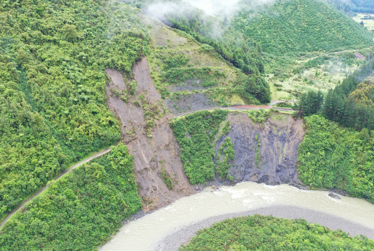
(265, 153)
(154, 156)
(334, 196)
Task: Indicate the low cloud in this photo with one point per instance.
(209, 7)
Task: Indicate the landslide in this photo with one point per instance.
(145, 102)
(231, 146)
(146, 131)
(265, 153)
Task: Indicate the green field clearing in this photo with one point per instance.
(297, 75)
(368, 23)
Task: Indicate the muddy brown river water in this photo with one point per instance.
(352, 215)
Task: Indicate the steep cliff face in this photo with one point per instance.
(265, 153)
(146, 131)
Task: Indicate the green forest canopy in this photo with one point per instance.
(269, 233)
(294, 27)
(79, 211)
(337, 158)
(52, 86)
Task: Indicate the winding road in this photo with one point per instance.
(57, 178)
(242, 107)
(245, 107)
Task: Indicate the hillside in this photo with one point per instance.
(53, 109)
(160, 95)
(298, 26)
(259, 146)
(191, 75)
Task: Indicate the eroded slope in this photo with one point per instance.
(265, 153)
(145, 128)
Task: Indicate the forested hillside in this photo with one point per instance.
(62, 63)
(53, 110)
(337, 158)
(297, 26)
(332, 156)
(80, 211)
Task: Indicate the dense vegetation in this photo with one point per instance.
(297, 26)
(334, 157)
(196, 134)
(310, 103)
(52, 86)
(269, 233)
(79, 211)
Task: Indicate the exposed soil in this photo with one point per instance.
(276, 148)
(152, 155)
(193, 102)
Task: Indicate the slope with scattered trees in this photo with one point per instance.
(349, 104)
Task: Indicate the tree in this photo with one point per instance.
(70, 32)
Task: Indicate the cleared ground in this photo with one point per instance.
(368, 23)
(288, 83)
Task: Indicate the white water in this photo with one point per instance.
(144, 233)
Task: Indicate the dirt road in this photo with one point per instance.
(59, 177)
(242, 107)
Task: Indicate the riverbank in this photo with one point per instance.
(183, 235)
(201, 209)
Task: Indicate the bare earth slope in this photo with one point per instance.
(276, 148)
(153, 155)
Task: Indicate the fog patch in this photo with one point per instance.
(221, 8)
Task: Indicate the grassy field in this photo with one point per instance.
(369, 23)
(296, 76)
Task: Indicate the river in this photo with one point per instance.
(147, 232)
